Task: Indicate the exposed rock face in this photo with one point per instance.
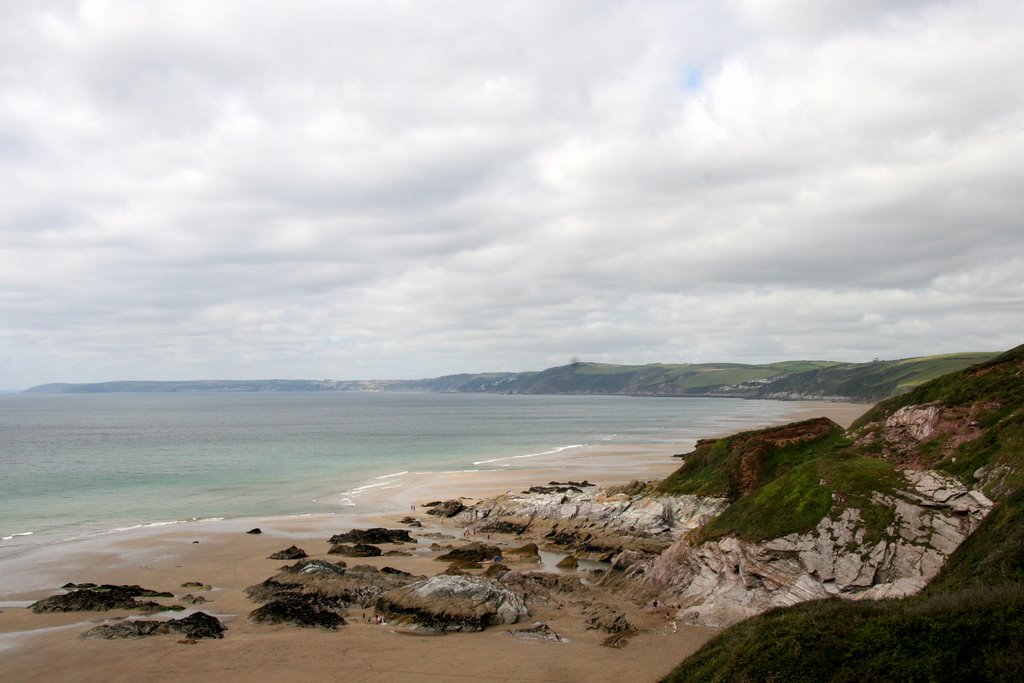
(328, 586)
(193, 599)
(721, 582)
(100, 599)
(454, 603)
(290, 553)
(195, 626)
(590, 523)
(905, 429)
(376, 535)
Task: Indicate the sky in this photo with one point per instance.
(383, 190)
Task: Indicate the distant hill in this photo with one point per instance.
(866, 382)
(785, 380)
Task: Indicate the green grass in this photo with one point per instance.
(971, 635)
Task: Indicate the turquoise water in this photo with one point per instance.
(76, 465)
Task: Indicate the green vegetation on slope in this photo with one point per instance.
(968, 625)
(971, 635)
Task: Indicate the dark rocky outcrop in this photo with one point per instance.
(101, 599)
(196, 584)
(448, 508)
(474, 552)
(357, 550)
(333, 589)
(255, 531)
(453, 603)
(195, 626)
(193, 599)
(305, 610)
(376, 536)
(289, 553)
(411, 521)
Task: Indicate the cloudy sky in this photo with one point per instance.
(235, 189)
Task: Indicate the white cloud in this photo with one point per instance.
(374, 189)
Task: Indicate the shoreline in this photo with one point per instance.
(218, 552)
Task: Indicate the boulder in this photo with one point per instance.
(289, 553)
(255, 531)
(453, 603)
(195, 627)
(567, 562)
(193, 599)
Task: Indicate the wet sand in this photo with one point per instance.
(46, 646)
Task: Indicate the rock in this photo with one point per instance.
(360, 585)
(374, 536)
(357, 550)
(255, 531)
(101, 599)
(448, 508)
(196, 584)
(527, 553)
(411, 521)
(315, 566)
(567, 562)
(539, 631)
(496, 570)
(473, 552)
(453, 603)
(193, 599)
(196, 626)
(722, 581)
(297, 609)
(289, 553)
(605, 618)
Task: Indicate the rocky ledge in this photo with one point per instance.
(722, 581)
(453, 603)
(195, 626)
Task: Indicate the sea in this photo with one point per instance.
(75, 466)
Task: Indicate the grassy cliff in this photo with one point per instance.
(969, 622)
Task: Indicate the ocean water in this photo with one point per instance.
(80, 465)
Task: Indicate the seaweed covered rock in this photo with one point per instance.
(356, 550)
(448, 508)
(195, 626)
(305, 610)
(289, 553)
(100, 599)
(376, 535)
(472, 552)
(453, 603)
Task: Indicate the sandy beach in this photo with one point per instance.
(220, 553)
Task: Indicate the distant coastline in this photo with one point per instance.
(787, 380)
